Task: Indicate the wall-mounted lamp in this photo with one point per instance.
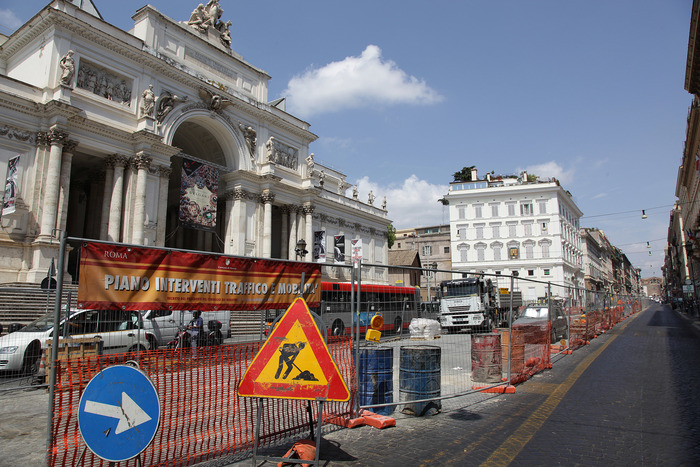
(650, 253)
(644, 214)
(648, 246)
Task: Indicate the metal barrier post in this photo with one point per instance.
(54, 346)
(357, 264)
(510, 325)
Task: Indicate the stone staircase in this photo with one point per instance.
(245, 323)
(24, 302)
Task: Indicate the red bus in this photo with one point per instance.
(397, 306)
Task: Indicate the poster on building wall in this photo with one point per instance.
(198, 195)
(9, 202)
(320, 246)
(339, 249)
(130, 278)
(357, 250)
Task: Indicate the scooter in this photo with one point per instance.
(212, 336)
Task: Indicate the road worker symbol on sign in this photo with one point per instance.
(294, 362)
(288, 353)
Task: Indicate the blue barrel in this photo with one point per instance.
(376, 378)
(419, 378)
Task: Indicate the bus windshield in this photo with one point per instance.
(459, 289)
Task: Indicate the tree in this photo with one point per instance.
(464, 175)
(391, 234)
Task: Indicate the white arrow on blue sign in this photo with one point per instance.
(119, 413)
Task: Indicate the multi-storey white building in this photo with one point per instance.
(509, 225)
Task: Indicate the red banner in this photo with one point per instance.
(130, 278)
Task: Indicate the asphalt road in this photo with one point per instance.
(629, 398)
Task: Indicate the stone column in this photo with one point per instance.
(66, 162)
(236, 225)
(51, 189)
(292, 231)
(106, 197)
(142, 162)
(162, 221)
(284, 246)
(308, 212)
(115, 206)
(267, 198)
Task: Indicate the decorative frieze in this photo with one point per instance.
(15, 133)
(281, 154)
(105, 83)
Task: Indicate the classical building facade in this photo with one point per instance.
(517, 225)
(97, 123)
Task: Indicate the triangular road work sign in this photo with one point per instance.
(294, 362)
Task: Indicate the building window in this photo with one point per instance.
(530, 272)
(461, 212)
(511, 230)
(496, 231)
(480, 252)
(528, 229)
(462, 231)
(494, 210)
(446, 250)
(546, 272)
(497, 252)
(545, 250)
(463, 253)
(543, 226)
(529, 251)
(427, 250)
(513, 252)
(477, 211)
(526, 209)
(479, 231)
(543, 207)
(511, 209)
(498, 273)
(398, 245)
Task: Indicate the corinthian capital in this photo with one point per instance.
(57, 137)
(141, 161)
(267, 197)
(69, 146)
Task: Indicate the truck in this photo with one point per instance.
(475, 303)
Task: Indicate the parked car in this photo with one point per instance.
(532, 314)
(119, 331)
(164, 324)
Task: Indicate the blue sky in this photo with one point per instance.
(402, 94)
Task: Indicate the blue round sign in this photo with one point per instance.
(119, 413)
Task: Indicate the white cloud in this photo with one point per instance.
(9, 20)
(552, 169)
(413, 203)
(356, 82)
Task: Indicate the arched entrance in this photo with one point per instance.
(200, 144)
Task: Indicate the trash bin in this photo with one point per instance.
(420, 378)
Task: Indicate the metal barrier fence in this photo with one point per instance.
(475, 333)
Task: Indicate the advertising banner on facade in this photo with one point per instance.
(339, 249)
(10, 199)
(130, 278)
(198, 195)
(320, 246)
(357, 250)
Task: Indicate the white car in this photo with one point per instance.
(164, 323)
(119, 330)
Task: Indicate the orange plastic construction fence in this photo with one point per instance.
(220, 424)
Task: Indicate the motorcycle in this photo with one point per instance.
(209, 337)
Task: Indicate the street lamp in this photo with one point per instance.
(301, 249)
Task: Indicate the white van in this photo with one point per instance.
(164, 323)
